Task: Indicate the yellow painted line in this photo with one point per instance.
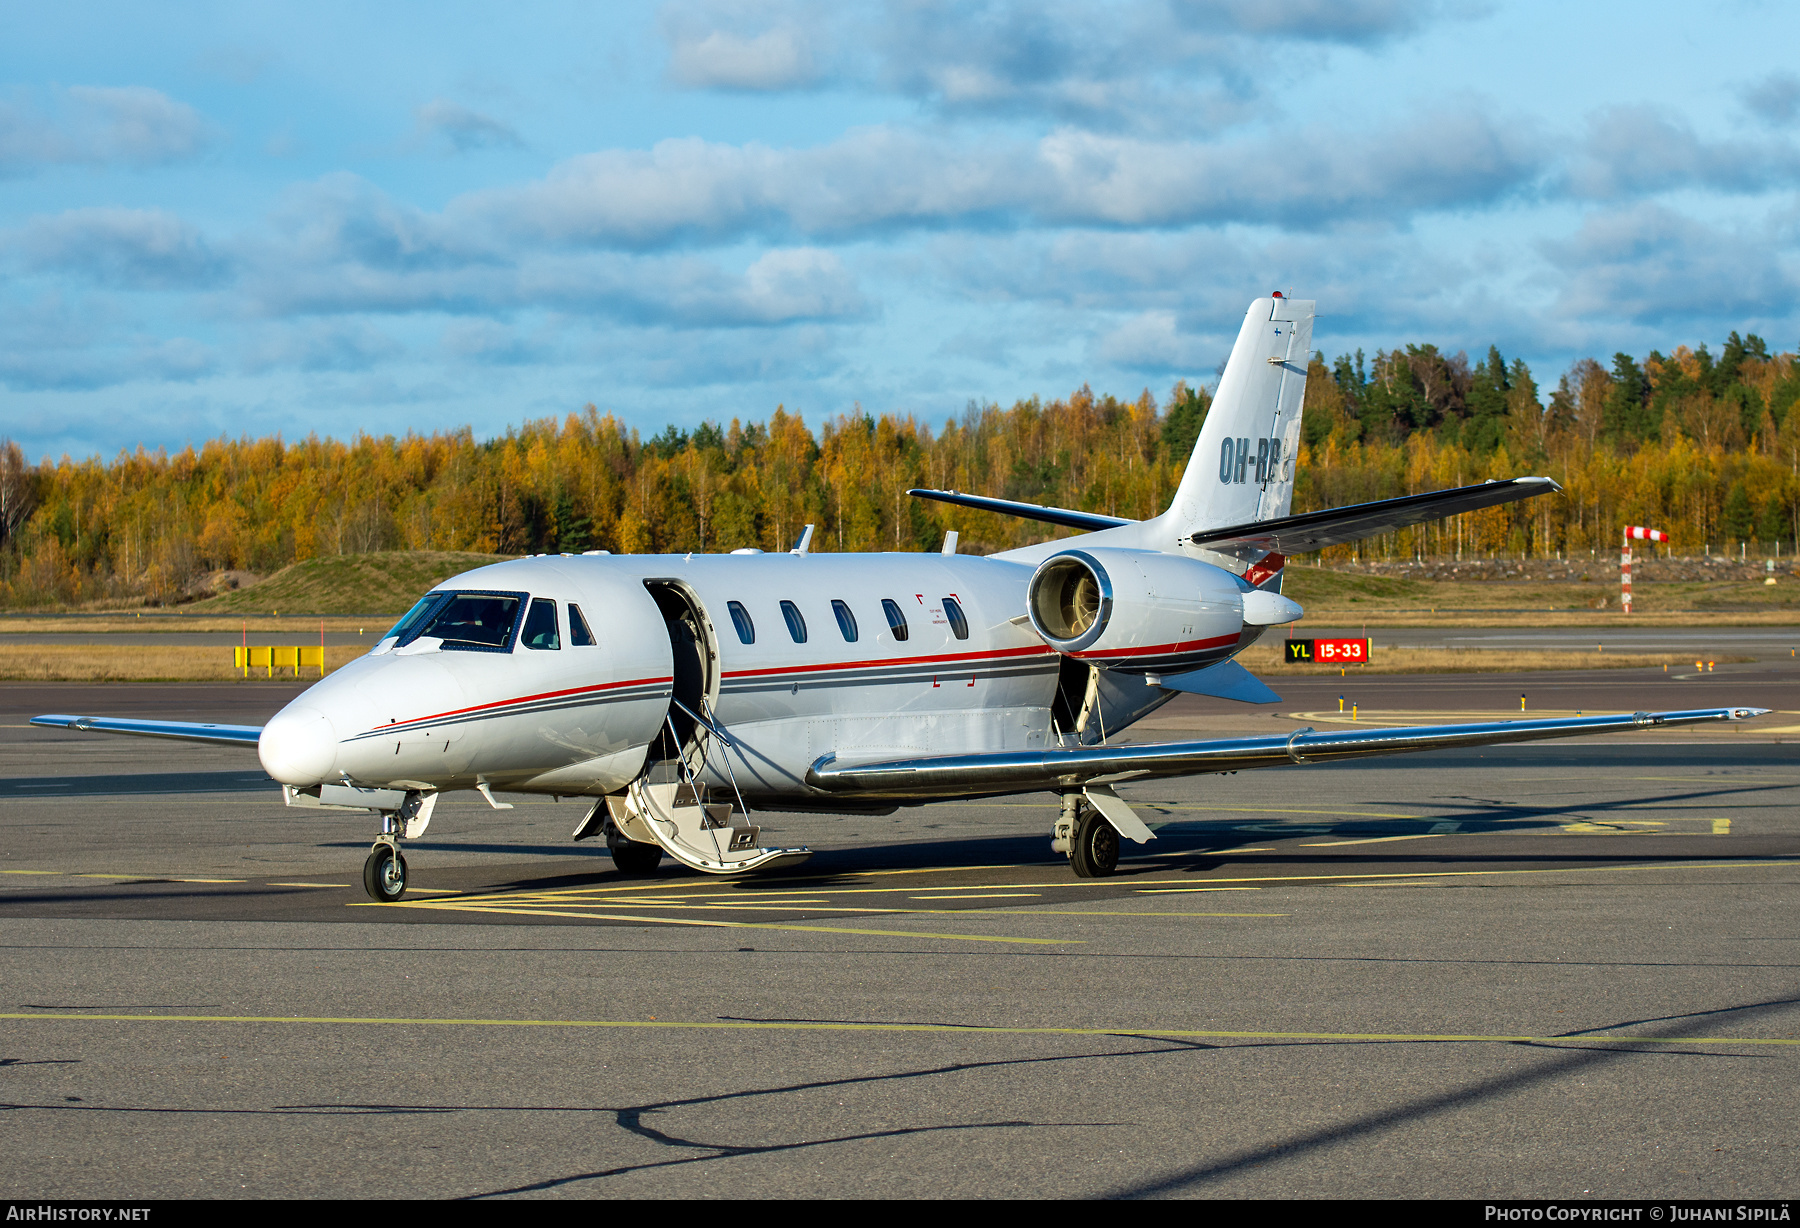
(432, 891)
(1191, 890)
(1712, 780)
(206, 880)
(1347, 814)
(1721, 827)
(53, 873)
(1332, 844)
(1079, 912)
(448, 906)
(1007, 895)
(111, 876)
(964, 1029)
(1304, 878)
(309, 884)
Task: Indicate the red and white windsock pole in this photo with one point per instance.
(1639, 532)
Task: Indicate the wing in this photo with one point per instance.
(1091, 521)
(1315, 530)
(180, 731)
(1031, 771)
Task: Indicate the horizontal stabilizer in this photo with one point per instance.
(1226, 680)
(1027, 771)
(1091, 521)
(180, 731)
(1291, 535)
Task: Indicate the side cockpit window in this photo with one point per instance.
(474, 622)
(896, 619)
(540, 627)
(740, 618)
(579, 635)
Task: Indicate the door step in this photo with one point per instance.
(711, 837)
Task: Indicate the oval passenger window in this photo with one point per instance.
(740, 618)
(896, 619)
(796, 624)
(846, 620)
(959, 626)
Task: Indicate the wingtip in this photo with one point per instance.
(1744, 714)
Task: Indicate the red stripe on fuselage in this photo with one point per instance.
(949, 659)
(522, 699)
(1160, 649)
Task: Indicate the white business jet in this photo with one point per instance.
(684, 693)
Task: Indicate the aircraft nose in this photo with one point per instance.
(298, 747)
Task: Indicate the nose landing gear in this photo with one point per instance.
(384, 873)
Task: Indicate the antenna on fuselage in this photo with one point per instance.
(805, 541)
(949, 542)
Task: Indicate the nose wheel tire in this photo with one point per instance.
(636, 857)
(384, 874)
(1094, 851)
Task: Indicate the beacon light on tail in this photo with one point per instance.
(680, 695)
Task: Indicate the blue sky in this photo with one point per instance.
(248, 218)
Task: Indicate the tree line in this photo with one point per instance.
(1705, 447)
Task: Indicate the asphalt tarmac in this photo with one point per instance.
(1559, 970)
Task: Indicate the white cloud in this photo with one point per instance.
(887, 179)
(1636, 150)
(147, 249)
(130, 125)
(1775, 99)
(1152, 341)
(773, 59)
(1649, 264)
(464, 129)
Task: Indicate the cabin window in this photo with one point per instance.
(896, 619)
(796, 624)
(846, 620)
(475, 622)
(579, 635)
(740, 618)
(540, 626)
(959, 626)
(407, 629)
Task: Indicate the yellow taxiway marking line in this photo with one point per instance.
(1084, 912)
(1191, 890)
(447, 906)
(1007, 895)
(965, 1029)
(1711, 865)
(1345, 814)
(309, 884)
(1332, 844)
(207, 880)
(52, 873)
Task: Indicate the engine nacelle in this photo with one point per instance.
(1142, 611)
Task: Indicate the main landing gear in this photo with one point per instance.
(1090, 841)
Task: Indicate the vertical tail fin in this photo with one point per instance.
(1242, 469)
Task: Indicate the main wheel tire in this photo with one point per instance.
(636, 857)
(384, 874)
(1094, 852)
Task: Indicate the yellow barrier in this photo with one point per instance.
(272, 659)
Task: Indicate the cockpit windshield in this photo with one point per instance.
(414, 618)
(473, 622)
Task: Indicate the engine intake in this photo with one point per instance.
(1143, 611)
